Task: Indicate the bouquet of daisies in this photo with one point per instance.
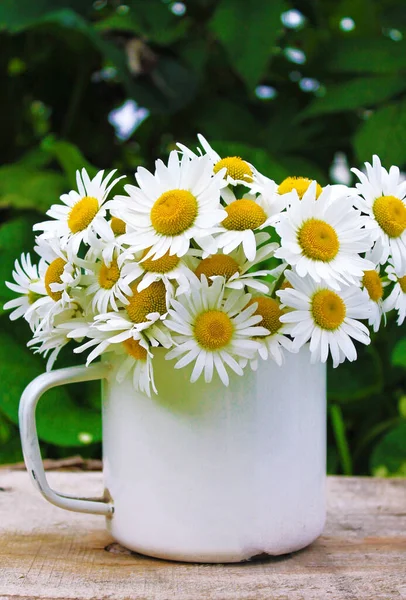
(215, 262)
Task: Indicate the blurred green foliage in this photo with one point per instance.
(285, 85)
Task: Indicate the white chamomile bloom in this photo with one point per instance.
(50, 339)
(237, 170)
(236, 269)
(212, 331)
(29, 283)
(109, 248)
(292, 187)
(374, 288)
(107, 284)
(180, 202)
(81, 217)
(382, 198)
(131, 346)
(320, 239)
(61, 280)
(397, 298)
(61, 275)
(144, 312)
(273, 344)
(326, 317)
(245, 218)
(168, 269)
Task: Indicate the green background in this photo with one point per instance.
(284, 90)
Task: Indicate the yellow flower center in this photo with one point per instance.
(150, 300)
(117, 225)
(53, 274)
(174, 212)
(213, 329)
(33, 297)
(161, 265)
(318, 240)
(108, 276)
(218, 264)
(328, 310)
(236, 167)
(244, 214)
(300, 184)
(390, 212)
(134, 349)
(82, 213)
(402, 283)
(270, 311)
(286, 285)
(372, 282)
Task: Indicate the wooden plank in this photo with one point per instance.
(47, 553)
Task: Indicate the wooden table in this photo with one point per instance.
(48, 553)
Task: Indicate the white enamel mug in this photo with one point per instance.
(201, 472)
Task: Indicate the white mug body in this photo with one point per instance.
(208, 473)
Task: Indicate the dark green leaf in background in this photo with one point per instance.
(384, 134)
(15, 237)
(248, 33)
(60, 421)
(390, 452)
(399, 354)
(356, 93)
(364, 55)
(356, 380)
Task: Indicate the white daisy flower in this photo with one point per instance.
(237, 171)
(272, 345)
(326, 317)
(61, 279)
(373, 285)
(382, 198)
(133, 348)
(212, 331)
(297, 187)
(144, 312)
(236, 269)
(29, 283)
(397, 298)
(171, 270)
(107, 284)
(320, 239)
(51, 339)
(246, 217)
(81, 217)
(180, 202)
(61, 275)
(109, 248)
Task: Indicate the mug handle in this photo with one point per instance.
(29, 436)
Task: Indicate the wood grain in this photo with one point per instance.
(48, 553)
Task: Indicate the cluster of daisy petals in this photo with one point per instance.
(216, 263)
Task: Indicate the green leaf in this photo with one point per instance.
(69, 157)
(248, 34)
(357, 93)
(15, 237)
(390, 452)
(399, 354)
(338, 426)
(60, 421)
(384, 134)
(355, 380)
(23, 187)
(371, 55)
(302, 167)
(17, 16)
(152, 21)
